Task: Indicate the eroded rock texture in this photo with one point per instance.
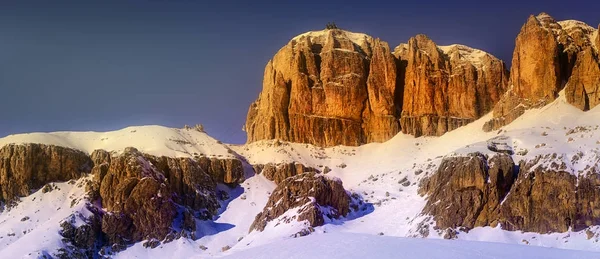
(142, 193)
(279, 172)
(541, 197)
(27, 167)
(314, 196)
(548, 57)
(466, 192)
(335, 87)
(447, 87)
(327, 88)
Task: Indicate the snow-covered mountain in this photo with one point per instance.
(385, 175)
(497, 168)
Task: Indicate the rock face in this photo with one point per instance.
(228, 171)
(335, 87)
(548, 57)
(314, 196)
(27, 167)
(142, 192)
(473, 191)
(460, 194)
(328, 88)
(279, 172)
(446, 87)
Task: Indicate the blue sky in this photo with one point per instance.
(105, 65)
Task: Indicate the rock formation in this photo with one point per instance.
(279, 172)
(141, 193)
(460, 194)
(542, 197)
(314, 196)
(446, 87)
(28, 167)
(548, 57)
(327, 88)
(335, 87)
(228, 171)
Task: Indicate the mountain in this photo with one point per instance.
(328, 82)
(548, 57)
(353, 149)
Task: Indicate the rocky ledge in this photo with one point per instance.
(539, 195)
(315, 197)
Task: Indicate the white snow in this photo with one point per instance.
(154, 140)
(344, 245)
(31, 229)
(321, 36)
(472, 55)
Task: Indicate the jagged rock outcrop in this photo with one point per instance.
(27, 167)
(141, 194)
(543, 197)
(548, 56)
(467, 191)
(328, 88)
(228, 171)
(279, 172)
(446, 87)
(314, 196)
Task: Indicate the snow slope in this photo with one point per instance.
(343, 245)
(154, 140)
(30, 230)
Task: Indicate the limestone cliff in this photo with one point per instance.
(550, 56)
(327, 88)
(335, 87)
(446, 87)
(539, 195)
(28, 167)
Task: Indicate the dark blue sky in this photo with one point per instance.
(78, 65)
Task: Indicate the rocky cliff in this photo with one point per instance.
(335, 87)
(550, 56)
(28, 167)
(540, 195)
(446, 87)
(328, 88)
(314, 196)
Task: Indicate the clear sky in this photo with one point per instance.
(105, 65)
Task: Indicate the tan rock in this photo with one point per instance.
(465, 192)
(543, 197)
(279, 172)
(447, 87)
(27, 167)
(307, 193)
(547, 55)
(583, 88)
(327, 88)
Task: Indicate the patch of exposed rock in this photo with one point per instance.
(141, 194)
(548, 57)
(315, 197)
(279, 172)
(467, 191)
(328, 88)
(543, 197)
(28, 167)
(228, 171)
(446, 87)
